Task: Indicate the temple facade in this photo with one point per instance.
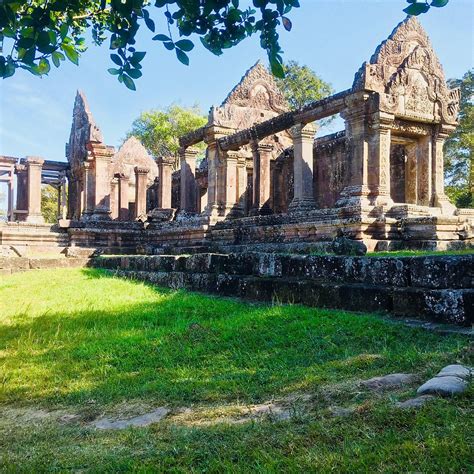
(268, 178)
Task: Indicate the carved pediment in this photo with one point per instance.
(257, 89)
(133, 154)
(83, 130)
(409, 77)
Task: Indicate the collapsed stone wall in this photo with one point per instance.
(439, 288)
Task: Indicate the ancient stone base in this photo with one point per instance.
(435, 288)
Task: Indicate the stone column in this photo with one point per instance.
(241, 185)
(11, 196)
(261, 178)
(355, 116)
(379, 158)
(87, 195)
(114, 198)
(411, 180)
(438, 196)
(34, 166)
(62, 201)
(423, 172)
(102, 157)
(188, 197)
(21, 192)
(303, 139)
(123, 197)
(165, 170)
(141, 177)
(229, 185)
(214, 169)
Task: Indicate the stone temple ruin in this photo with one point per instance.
(266, 182)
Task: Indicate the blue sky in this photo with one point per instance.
(333, 37)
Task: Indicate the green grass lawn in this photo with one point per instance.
(85, 343)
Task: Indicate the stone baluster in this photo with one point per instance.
(165, 169)
(34, 166)
(262, 153)
(303, 139)
(87, 204)
(188, 197)
(141, 178)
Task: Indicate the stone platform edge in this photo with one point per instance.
(435, 288)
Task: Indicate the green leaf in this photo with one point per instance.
(150, 24)
(439, 3)
(43, 66)
(63, 30)
(25, 43)
(137, 57)
(185, 45)
(169, 46)
(113, 71)
(129, 82)
(416, 9)
(116, 59)
(70, 53)
(134, 73)
(277, 68)
(161, 38)
(57, 57)
(182, 57)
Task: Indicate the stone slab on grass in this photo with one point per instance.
(446, 386)
(455, 370)
(417, 402)
(137, 421)
(388, 381)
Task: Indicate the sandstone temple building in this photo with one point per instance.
(268, 179)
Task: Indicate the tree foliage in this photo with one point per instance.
(301, 85)
(459, 148)
(49, 203)
(417, 7)
(37, 32)
(159, 130)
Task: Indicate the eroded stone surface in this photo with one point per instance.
(388, 381)
(137, 421)
(414, 402)
(456, 370)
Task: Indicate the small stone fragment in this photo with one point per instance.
(142, 420)
(446, 386)
(341, 411)
(388, 381)
(455, 370)
(414, 402)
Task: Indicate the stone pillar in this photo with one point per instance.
(261, 178)
(423, 172)
(188, 197)
(62, 201)
(102, 157)
(355, 116)
(114, 198)
(411, 180)
(303, 139)
(141, 177)
(34, 166)
(165, 170)
(241, 185)
(379, 158)
(438, 196)
(123, 197)
(21, 192)
(87, 201)
(11, 196)
(214, 169)
(230, 159)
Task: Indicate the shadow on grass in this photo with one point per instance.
(178, 347)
